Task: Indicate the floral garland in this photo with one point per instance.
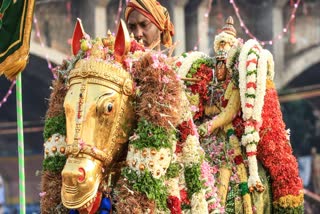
(197, 66)
(185, 61)
(275, 153)
(232, 61)
(204, 193)
(265, 135)
(223, 36)
(250, 75)
(173, 167)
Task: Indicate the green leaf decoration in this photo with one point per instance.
(192, 176)
(144, 182)
(173, 170)
(54, 163)
(54, 125)
(151, 136)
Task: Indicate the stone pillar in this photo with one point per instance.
(278, 46)
(197, 26)
(178, 18)
(100, 18)
(203, 40)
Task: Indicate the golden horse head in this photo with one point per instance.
(99, 113)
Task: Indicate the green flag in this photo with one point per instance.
(15, 29)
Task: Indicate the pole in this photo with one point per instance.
(22, 195)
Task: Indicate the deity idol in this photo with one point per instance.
(239, 117)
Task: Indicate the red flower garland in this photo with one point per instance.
(174, 205)
(186, 128)
(238, 159)
(184, 197)
(204, 74)
(274, 150)
(238, 125)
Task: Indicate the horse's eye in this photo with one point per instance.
(109, 107)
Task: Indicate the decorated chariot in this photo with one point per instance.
(131, 130)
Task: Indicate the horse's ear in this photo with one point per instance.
(78, 34)
(122, 42)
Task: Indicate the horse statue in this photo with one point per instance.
(99, 117)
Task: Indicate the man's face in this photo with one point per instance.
(143, 28)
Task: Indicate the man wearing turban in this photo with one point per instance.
(149, 22)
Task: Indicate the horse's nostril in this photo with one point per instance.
(82, 175)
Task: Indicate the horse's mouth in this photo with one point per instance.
(89, 203)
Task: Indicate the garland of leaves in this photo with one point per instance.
(151, 136)
(192, 175)
(144, 182)
(54, 125)
(54, 163)
(202, 70)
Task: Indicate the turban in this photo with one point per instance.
(157, 14)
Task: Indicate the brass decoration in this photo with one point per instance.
(151, 164)
(54, 149)
(228, 27)
(99, 116)
(153, 151)
(109, 41)
(54, 145)
(144, 153)
(62, 150)
(141, 167)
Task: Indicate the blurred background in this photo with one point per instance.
(290, 29)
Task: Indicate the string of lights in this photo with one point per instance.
(9, 92)
(278, 36)
(38, 34)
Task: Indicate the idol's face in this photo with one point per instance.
(143, 28)
(221, 71)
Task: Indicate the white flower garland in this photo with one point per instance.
(261, 85)
(252, 92)
(223, 36)
(56, 144)
(243, 73)
(186, 110)
(199, 204)
(232, 52)
(157, 163)
(188, 61)
(192, 152)
(173, 187)
(248, 138)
